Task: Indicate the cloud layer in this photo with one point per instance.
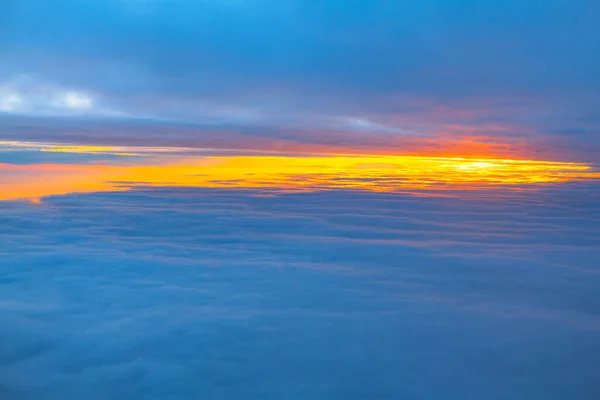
(188, 293)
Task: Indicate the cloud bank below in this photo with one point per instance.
(181, 293)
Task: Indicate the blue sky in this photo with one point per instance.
(371, 76)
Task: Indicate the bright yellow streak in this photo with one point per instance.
(367, 173)
(84, 149)
(8, 145)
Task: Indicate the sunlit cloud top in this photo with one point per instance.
(168, 167)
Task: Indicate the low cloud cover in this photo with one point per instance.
(199, 293)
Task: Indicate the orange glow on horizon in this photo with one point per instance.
(367, 173)
(439, 146)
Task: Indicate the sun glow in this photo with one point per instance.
(284, 173)
(476, 165)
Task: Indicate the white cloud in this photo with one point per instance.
(28, 95)
(9, 101)
(73, 100)
(361, 124)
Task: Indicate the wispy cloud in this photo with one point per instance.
(27, 95)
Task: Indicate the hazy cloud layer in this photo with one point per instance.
(190, 293)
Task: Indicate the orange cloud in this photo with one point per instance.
(358, 172)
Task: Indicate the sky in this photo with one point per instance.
(299, 199)
(516, 78)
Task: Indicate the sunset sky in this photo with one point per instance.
(299, 199)
(513, 78)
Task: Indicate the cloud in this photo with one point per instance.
(425, 128)
(168, 167)
(245, 294)
(26, 95)
(361, 124)
(73, 100)
(9, 100)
